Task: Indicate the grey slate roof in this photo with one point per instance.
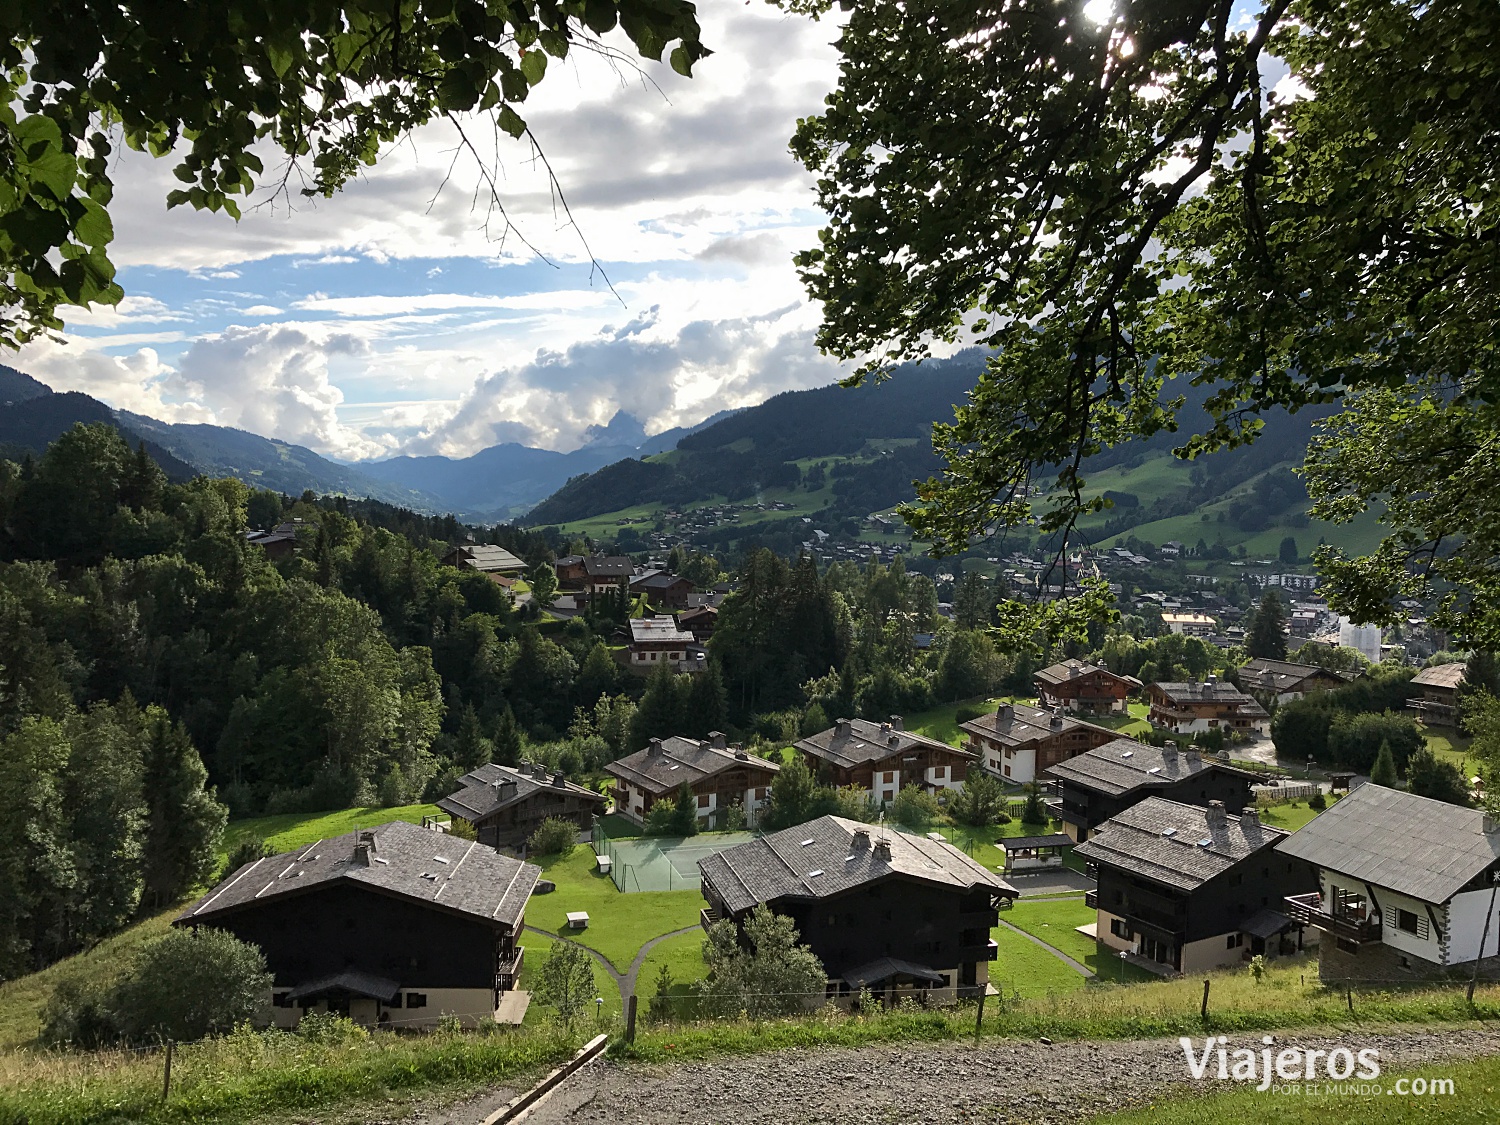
(859, 742)
(1025, 843)
(1073, 670)
(484, 793)
(1124, 765)
(1176, 844)
(884, 968)
(1420, 847)
(1216, 692)
(352, 981)
(1017, 724)
(1443, 676)
(1265, 923)
(679, 761)
(487, 557)
(823, 858)
(1281, 675)
(608, 566)
(661, 629)
(432, 868)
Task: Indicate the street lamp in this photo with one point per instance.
(1124, 953)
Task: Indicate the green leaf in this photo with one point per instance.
(95, 228)
(681, 63)
(280, 59)
(511, 122)
(534, 66)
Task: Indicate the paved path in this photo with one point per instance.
(625, 981)
(1077, 966)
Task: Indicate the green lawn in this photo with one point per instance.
(1290, 816)
(619, 924)
(1133, 724)
(1056, 923)
(682, 954)
(1476, 1088)
(289, 831)
(1025, 968)
(979, 843)
(537, 948)
(941, 723)
(1449, 746)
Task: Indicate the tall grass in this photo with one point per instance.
(249, 1074)
(1283, 999)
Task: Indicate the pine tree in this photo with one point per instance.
(659, 713)
(1267, 636)
(107, 814)
(142, 482)
(598, 675)
(323, 560)
(184, 821)
(706, 708)
(507, 739)
(1383, 772)
(685, 815)
(471, 749)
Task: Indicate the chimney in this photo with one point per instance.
(539, 771)
(716, 740)
(1210, 680)
(1194, 758)
(1169, 754)
(885, 728)
(861, 839)
(653, 748)
(1003, 714)
(883, 849)
(842, 728)
(1491, 825)
(1056, 721)
(364, 848)
(559, 781)
(1249, 819)
(505, 789)
(1216, 814)
(898, 723)
(740, 754)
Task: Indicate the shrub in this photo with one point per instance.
(914, 808)
(247, 851)
(981, 801)
(554, 836)
(733, 817)
(1035, 809)
(79, 1015)
(1317, 802)
(565, 982)
(660, 819)
(329, 1029)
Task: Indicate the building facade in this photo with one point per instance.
(884, 911)
(1213, 705)
(659, 640)
(1017, 742)
(395, 926)
(717, 775)
(883, 758)
(506, 804)
(1076, 686)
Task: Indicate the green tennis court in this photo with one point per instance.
(662, 863)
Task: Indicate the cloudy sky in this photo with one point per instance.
(389, 319)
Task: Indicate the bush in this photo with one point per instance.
(662, 816)
(554, 836)
(914, 808)
(183, 986)
(1317, 802)
(1035, 809)
(247, 851)
(980, 802)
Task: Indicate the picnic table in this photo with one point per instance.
(578, 920)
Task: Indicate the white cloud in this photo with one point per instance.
(261, 310)
(398, 304)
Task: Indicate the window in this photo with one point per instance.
(833, 919)
(1235, 941)
(396, 1003)
(890, 775)
(703, 800)
(280, 999)
(1007, 771)
(416, 999)
(1120, 928)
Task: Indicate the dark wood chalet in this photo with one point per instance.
(882, 910)
(663, 590)
(883, 759)
(1285, 680)
(1076, 686)
(1018, 742)
(506, 804)
(1213, 705)
(486, 558)
(717, 775)
(1107, 780)
(1437, 705)
(1184, 888)
(396, 926)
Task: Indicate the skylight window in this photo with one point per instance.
(1154, 769)
(438, 859)
(1206, 842)
(847, 858)
(1169, 831)
(805, 842)
(1127, 754)
(815, 874)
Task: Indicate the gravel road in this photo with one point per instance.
(1000, 1082)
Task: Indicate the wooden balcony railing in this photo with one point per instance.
(1307, 910)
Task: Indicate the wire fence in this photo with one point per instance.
(659, 863)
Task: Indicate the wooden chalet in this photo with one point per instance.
(1285, 680)
(1404, 887)
(1076, 686)
(662, 590)
(717, 775)
(570, 571)
(1437, 706)
(1195, 708)
(484, 558)
(396, 926)
(659, 640)
(699, 621)
(604, 573)
(1188, 888)
(1107, 780)
(506, 804)
(1017, 742)
(896, 914)
(883, 758)
(278, 543)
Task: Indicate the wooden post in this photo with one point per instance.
(1203, 1008)
(166, 1075)
(630, 1019)
(979, 1016)
(1349, 996)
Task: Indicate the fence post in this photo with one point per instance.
(1203, 1008)
(1349, 996)
(630, 1019)
(979, 1016)
(166, 1076)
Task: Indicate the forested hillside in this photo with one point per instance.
(758, 448)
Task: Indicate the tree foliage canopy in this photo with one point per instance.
(1123, 204)
(328, 85)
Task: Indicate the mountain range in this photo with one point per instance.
(494, 484)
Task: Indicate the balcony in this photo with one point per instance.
(509, 971)
(1091, 899)
(1346, 924)
(992, 950)
(708, 916)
